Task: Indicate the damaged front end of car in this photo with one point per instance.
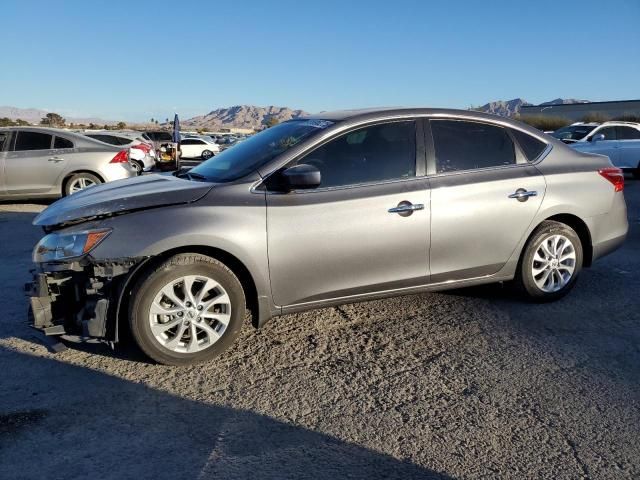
(73, 296)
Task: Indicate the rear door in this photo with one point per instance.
(188, 147)
(609, 146)
(344, 239)
(484, 196)
(628, 139)
(32, 165)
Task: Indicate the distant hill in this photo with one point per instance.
(241, 116)
(34, 115)
(510, 108)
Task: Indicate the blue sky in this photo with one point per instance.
(137, 59)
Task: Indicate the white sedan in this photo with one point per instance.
(198, 148)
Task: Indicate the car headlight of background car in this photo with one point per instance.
(63, 246)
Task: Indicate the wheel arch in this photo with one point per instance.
(581, 229)
(232, 262)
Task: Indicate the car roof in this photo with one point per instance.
(381, 113)
(78, 138)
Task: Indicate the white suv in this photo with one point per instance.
(620, 141)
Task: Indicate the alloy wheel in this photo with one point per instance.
(553, 263)
(80, 184)
(190, 313)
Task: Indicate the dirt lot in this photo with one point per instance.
(467, 384)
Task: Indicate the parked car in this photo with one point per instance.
(198, 148)
(325, 210)
(141, 153)
(45, 162)
(620, 141)
(158, 137)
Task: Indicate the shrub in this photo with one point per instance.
(596, 117)
(543, 122)
(628, 117)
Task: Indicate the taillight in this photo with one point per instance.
(121, 157)
(142, 146)
(615, 176)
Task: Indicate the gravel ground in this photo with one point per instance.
(464, 384)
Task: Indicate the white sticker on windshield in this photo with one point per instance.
(317, 123)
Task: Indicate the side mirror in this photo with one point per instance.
(598, 137)
(301, 176)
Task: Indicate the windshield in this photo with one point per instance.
(573, 132)
(249, 155)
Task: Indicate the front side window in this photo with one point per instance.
(573, 133)
(627, 133)
(608, 132)
(531, 146)
(33, 141)
(61, 142)
(462, 145)
(371, 154)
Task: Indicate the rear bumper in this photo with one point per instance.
(608, 246)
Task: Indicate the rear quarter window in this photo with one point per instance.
(61, 142)
(530, 146)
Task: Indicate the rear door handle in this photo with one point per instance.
(56, 159)
(522, 195)
(406, 208)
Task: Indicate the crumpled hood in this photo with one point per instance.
(137, 193)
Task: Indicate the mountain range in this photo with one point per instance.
(241, 116)
(34, 115)
(510, 108)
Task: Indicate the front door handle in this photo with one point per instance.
(56, 159)
(406, 208)
(522, 195)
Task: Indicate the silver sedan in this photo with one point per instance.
(331, 209)
(48, 163)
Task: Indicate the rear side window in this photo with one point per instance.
(188, 141)
(33, 141)
(627, 133)
(61, 142)
(531, 146)
(461, 145)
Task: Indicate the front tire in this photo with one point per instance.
(188, 310)
(550, 263)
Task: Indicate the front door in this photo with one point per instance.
(31, 164)
(484, 196)
(365, 229)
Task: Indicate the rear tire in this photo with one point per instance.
(137, 166)
(79, 182)
(550, 263)
(206, 154)
(170, 316)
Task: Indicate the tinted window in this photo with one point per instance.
(470, 145)
(61, 142)
(531, 146)
(608, 132)
(627, 133)
(105, 138)
(33, 141)
(188, 141)
(573, 132)
(161, 136)
(4, 139)
(372, 154)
